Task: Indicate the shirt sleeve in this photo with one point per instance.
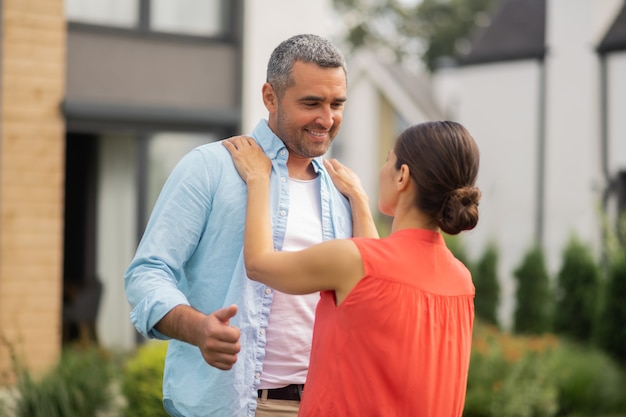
(171, 236)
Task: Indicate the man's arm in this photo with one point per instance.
(212, 334)
(159, 308)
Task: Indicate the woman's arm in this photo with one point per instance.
(349, 184)
(333, 265)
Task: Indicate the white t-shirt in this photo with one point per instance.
(290, 327)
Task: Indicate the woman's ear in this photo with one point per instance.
(270, 99)
(403, 180)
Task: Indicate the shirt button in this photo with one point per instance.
(257, 375)
(282, 151)
(283, 213)
(268, 291)
(262, 331)
(283, 179)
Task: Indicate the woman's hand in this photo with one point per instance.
(346, 181)
(250, 160)
(349, 184)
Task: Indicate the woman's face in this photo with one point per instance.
(387, 195)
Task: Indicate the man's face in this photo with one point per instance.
(308, 115)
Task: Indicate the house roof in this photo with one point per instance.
(409, 92)
(417, 87)
(517, 31)
(615, 38)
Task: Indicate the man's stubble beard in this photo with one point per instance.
(294, 137)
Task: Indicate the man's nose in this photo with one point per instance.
(326, 117)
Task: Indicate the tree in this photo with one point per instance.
(485, 275)
(429, 30)
(576, 292)
(532, 312)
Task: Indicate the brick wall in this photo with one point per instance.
(32, 151)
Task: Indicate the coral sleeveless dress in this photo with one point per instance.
(399, 344)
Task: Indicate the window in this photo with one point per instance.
(118, 13)
(205, 18)
(192, 17)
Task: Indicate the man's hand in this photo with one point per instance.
(220, 341)
(217, 340)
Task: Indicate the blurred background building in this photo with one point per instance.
(100, 98)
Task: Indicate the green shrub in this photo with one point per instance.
(610, 328)
(533, 298)
(78, 386)
(576, 291)
(540, 376)
(142, 381)
(485, 276)
(508, 376)
(589, 382)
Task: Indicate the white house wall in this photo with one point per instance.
(573, 180)
(357, 143)
(498, 104)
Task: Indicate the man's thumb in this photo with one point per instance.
(226, 313)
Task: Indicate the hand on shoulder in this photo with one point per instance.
(250, 160)
(346, 181)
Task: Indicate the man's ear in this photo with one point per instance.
(270, 99)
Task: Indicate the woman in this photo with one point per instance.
(394, 322)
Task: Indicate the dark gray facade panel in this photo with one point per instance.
(108, 68)
(86, 117)
(615, 38)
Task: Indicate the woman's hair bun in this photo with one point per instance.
(459, 210)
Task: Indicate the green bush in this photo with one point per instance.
(485, 276)
(508, 376)
(78, 386)
(588, 381)
(576, 292)
(610, 328)
(142, 381)
(540, 376)
(533, 298)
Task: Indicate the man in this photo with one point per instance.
(238, 347)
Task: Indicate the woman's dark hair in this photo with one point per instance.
(443, 160)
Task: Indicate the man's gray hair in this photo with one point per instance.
(301, 48)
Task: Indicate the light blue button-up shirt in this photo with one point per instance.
(192, 253)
